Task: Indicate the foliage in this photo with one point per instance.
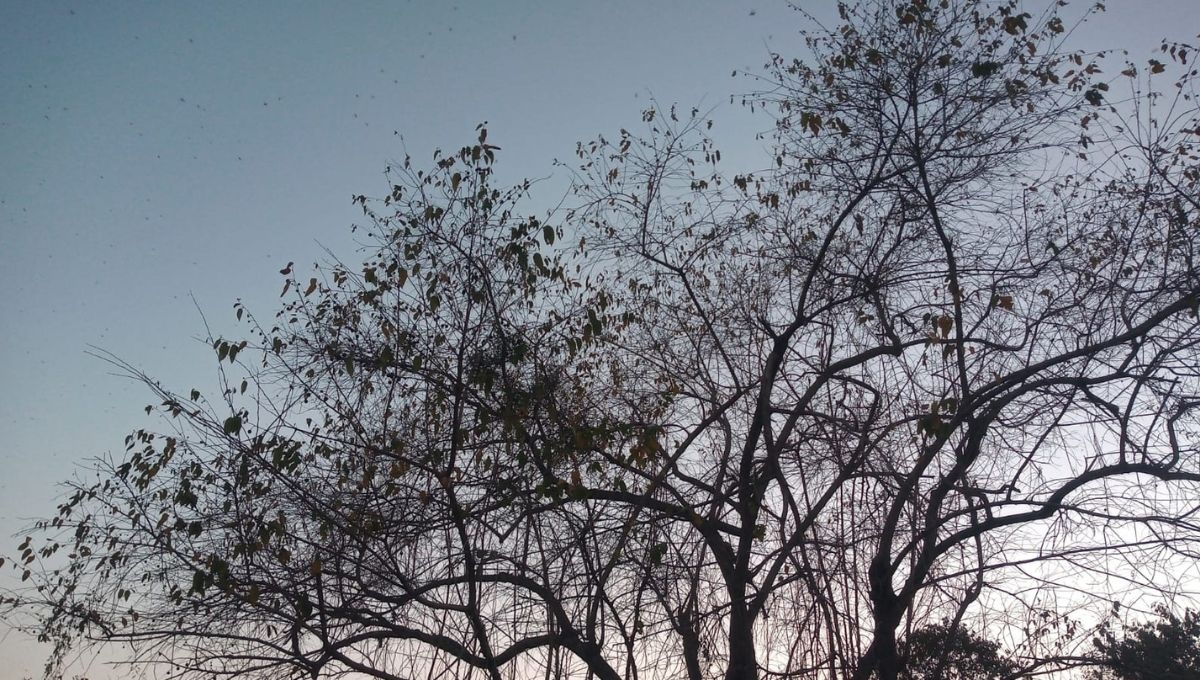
(944, 651)
(1165, 649)
(938, 359)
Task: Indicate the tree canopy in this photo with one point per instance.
(1166, 649)
(935, 361)
(945, 651)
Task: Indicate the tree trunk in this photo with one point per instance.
(743, 662)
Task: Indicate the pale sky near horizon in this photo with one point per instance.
(158, 151)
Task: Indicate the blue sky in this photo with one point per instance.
(158, 152)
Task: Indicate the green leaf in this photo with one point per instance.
(548, 234)
(233, 424)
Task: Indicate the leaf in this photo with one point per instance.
(312, 285)
(1015, 24)
(233, 425)
(657, 552)
(1094, 97)
(984, 69)
(548, 234)
(946, 324)
(386, 357)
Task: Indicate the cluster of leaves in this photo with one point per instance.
(945, 651)
(1164, 649)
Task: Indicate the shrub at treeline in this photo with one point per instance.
(936, 362)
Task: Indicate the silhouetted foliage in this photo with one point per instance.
(944, 651)
(936, 360)
(1164, 649)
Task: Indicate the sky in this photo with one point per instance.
(161, 160)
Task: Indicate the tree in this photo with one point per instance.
(944, 651)
(937, 361)
(1166, 649)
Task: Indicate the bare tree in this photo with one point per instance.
(937, 361)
